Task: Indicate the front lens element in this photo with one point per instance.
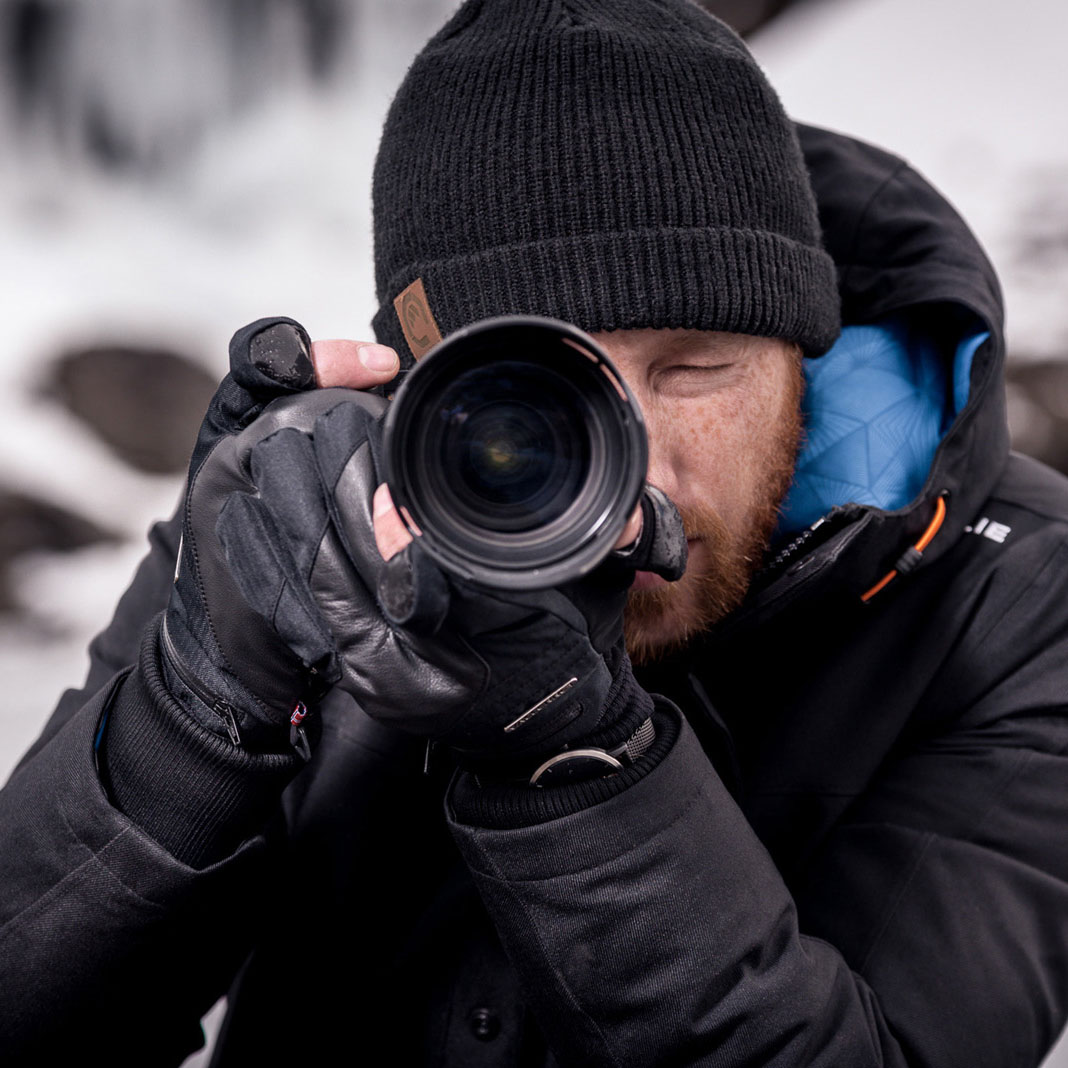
(514, 445)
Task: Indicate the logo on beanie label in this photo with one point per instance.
(420, 330)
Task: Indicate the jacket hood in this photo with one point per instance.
(916, 287)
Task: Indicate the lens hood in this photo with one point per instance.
(517, 453)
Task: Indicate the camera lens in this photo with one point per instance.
(510, 439)
(517, 452)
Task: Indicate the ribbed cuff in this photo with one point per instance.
(191, 790)
(626, 708)
(499, 807)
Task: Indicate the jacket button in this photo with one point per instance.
(485, 1024)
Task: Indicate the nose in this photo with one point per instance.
(663, 470)
(631, 352)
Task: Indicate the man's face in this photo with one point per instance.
(724, 422)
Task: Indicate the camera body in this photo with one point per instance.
(517, 452)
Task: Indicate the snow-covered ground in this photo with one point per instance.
(272, 215)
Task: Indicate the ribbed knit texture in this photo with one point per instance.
(191, 790)
(613, 163)
(494, 806)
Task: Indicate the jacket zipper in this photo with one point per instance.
(215, 703)
(791, 551)
(774, 586)
(820, 532)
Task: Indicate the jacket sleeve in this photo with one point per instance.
(106, 939)
(653, 927)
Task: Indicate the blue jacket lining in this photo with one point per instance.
(876, 407)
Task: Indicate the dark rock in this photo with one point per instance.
(30, 524)
(146, 404)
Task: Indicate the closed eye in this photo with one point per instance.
(705, 367)
(690, 378)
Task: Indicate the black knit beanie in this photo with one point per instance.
(612, 163)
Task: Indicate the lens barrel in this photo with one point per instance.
(517, 451)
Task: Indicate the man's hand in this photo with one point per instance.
(225, 663)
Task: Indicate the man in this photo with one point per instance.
(837, 834)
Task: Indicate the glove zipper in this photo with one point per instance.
(216, 704)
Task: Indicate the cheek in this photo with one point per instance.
(688, 446)
(711, 441)
(727, 448)
(724, 444)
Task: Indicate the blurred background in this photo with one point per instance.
(172, 170)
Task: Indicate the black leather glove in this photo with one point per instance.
(503, 677)
(227, 666)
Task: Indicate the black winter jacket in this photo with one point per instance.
(850, 850)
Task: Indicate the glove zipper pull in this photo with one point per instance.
(227, 713)
(216, 704)
(298, 738)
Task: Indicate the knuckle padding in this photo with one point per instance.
(270, 578)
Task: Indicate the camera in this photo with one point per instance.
(517, 451)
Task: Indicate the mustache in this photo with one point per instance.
(702, 523)
(700, 598)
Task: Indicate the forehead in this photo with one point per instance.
(676, 343)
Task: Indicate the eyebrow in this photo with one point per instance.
(679, 344)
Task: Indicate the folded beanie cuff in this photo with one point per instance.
(701, 278)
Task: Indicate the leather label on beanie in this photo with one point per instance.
(416, 320)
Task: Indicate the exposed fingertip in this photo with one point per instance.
(332, 360)
(353, 364)
(379, 358)
(391, 535)
(631, 532)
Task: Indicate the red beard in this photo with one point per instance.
(662, 620)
